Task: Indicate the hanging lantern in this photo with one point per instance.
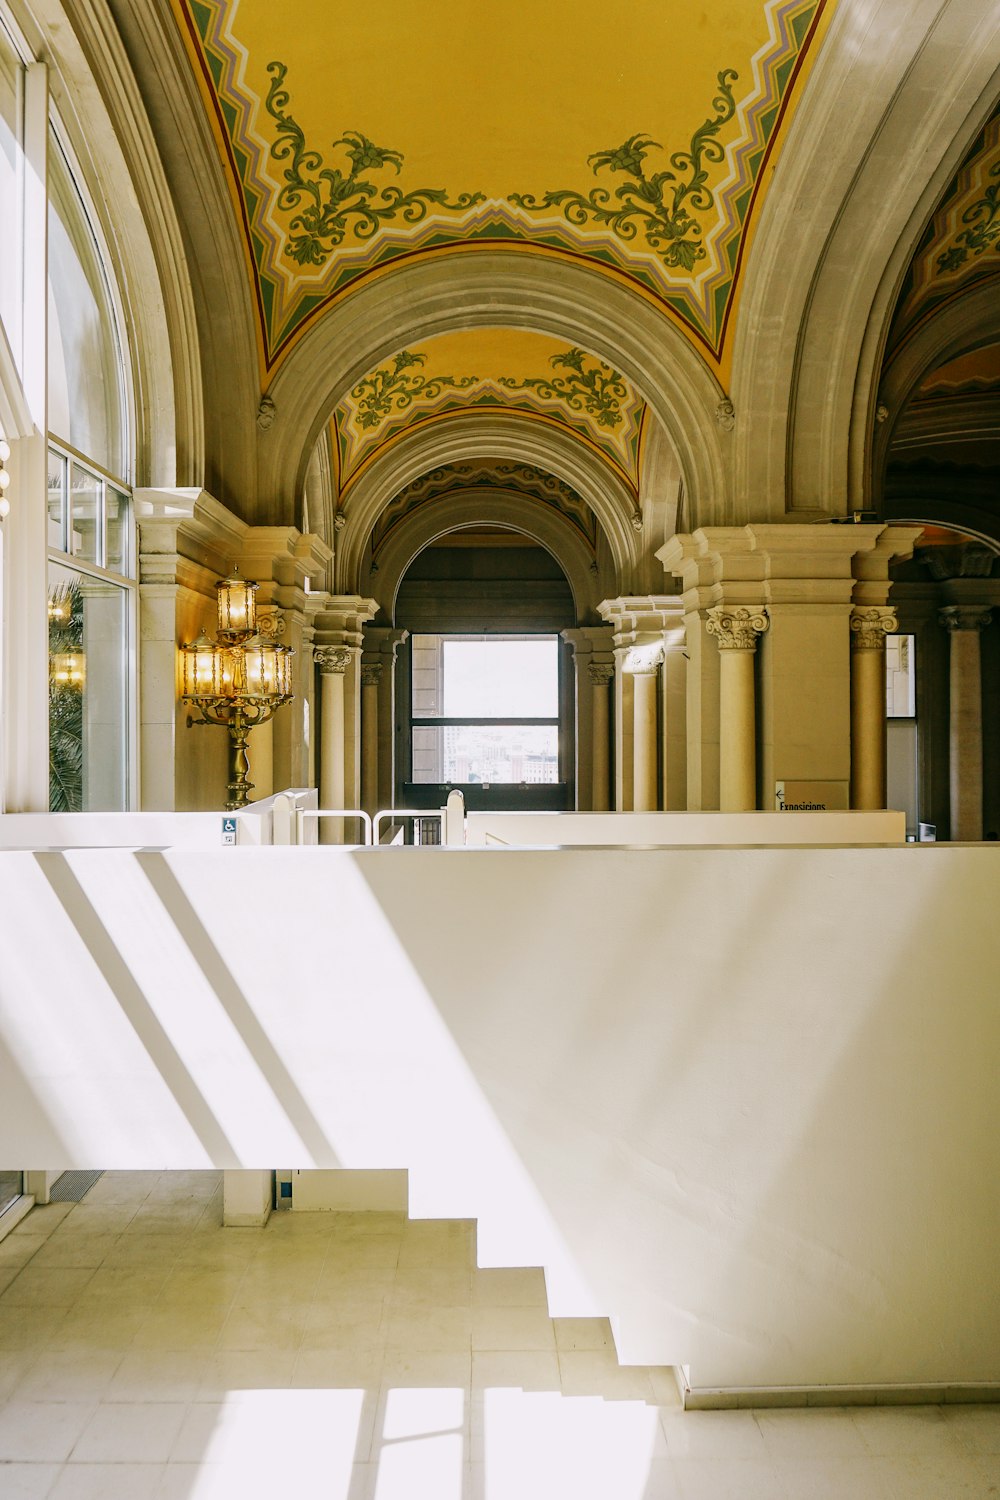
(202, 669)
(237, 605)
(262, 659)
(68, 668)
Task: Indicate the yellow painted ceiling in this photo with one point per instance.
(971, 374)
(961, 246)
(632, 138)
(493, 369)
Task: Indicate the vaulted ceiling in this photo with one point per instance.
(357, 138)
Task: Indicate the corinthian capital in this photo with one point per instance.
(600, 672)
(870, 626)
(332, 659)
(371, 674)
(965, 616)
(736, 629)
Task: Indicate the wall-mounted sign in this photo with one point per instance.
(811, 796)
(229, 830)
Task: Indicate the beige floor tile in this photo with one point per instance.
(834, 1478)
(406, 1368)
(423, 1330)
(37, 1286)
(113, 1481)
(733, 1479)
(130, 1432)
(907, 1430)
(350, 1368)
(596, 1372)
(494, 1287)
(69, 1375)
(41, 1431)
(230, 1371)
(20, 1245)
(817, 1433)
(150, 1375)
(976, 1427)
(529, 1370)
(582, 1333)
(712, 1434)
(431, 1287)
(68, 1249)
(27, 1481)
(511, 1328)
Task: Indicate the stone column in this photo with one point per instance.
(642, 664)
(333, 662)
(965, 760)
(371, 677)
(736, 631)
(601, 674)
(869, 628)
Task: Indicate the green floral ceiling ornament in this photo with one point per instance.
(984, 234)
(388, 390)
(594, 388)
(661, 204)
(325, 201)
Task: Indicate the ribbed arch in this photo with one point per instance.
(497, 289)
(491, 436)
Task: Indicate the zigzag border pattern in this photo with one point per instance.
(288, 299)
(621, 447)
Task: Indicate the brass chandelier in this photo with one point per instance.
(237, 681)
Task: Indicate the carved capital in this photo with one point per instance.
(332, 660)
(736, 629)
(271, 622)
(600, 672)
(965, 616)
(371, 673)
(870, 626)
(644, 661)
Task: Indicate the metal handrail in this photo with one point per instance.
(301, 813)
(404, 812)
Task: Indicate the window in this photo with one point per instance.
(900, 677)
(485, 709)
(86, 390)
(11, 92)
(90, 616)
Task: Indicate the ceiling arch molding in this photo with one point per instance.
(497, 289)
(491, 435)
(483, 505)
(967, 323)
(822, 283)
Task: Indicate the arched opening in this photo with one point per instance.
(484, 681)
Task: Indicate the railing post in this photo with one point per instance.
(453, 819)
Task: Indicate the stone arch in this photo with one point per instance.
(490, 434)
(822, 283)
(489, 289)
(465, 508)
(99, 105)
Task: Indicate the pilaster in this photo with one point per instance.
(338, 622)
(378, 675)
(806, 577)
(650, 620)
(593, 673)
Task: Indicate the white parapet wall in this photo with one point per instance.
(680, 829)
(744, 1101)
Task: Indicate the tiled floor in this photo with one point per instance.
(146, 1352)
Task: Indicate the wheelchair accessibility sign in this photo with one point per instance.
(229, 830)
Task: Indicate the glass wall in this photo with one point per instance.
(86, 392)
(90, 616)
(11, 97)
